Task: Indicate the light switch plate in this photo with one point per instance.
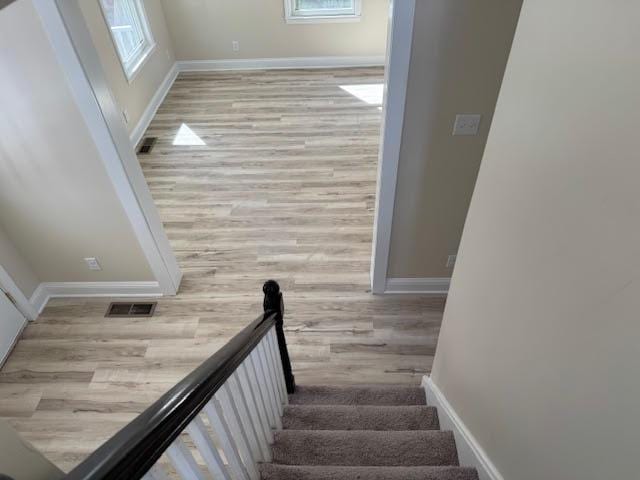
(93, 263)
(467, 124)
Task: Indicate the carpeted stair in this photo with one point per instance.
(371, 432)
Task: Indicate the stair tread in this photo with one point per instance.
(360, 417)
(270, 471)
(379, 394)
(364, 448)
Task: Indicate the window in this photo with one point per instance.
(130, 32)
(312, 11)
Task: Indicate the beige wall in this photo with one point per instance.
(539, 352)
(133, 96)
(458, 56)
(204, 30)
(17, 266)
(57, 204)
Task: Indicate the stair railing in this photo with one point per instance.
(232, 402)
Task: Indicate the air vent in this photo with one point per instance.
(147, 145)
(125, 309)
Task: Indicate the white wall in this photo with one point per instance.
(57, 204)
(204, 30)
(458, 56)
(133, 96)
(538, 352)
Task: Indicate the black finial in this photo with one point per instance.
(271, 287)
(272, 298)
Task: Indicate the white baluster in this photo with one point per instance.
(263, 409)
(230, 412)
(240, 405)
(275, 352)
(271, 377)
(183, 461)
(257, 421)
(156, 473)
(273, 374)
(221, 430)
(264, 382)
(198, 433)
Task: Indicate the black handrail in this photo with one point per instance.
(131, 452)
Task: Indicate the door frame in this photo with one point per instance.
(22, 303)
(399, 40)
(76, 53)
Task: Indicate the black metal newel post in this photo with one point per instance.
(273, 303)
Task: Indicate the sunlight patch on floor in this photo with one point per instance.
(186, 136)
(371, 93)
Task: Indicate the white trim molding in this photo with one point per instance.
(396, 77)
(21, 301)
(49, 290)
(278, 63)
(435, 285)
(154, 104)
(470, 453)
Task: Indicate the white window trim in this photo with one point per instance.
(290, 17)
(131, 72)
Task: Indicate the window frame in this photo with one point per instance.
(291, 16)
(132, 67)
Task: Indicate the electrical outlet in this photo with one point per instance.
(467, 124)
(168, 54)
(125, 115)
(92, 263)
(451, 261)
(235, 44)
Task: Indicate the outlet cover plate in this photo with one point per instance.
(93, 263)
(467, 124)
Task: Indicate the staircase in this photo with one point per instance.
(375, 432)
(241, 416)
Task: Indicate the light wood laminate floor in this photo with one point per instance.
(283, 187)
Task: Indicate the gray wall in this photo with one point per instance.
(459, 52)
(20, 460)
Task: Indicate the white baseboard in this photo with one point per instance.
(279, 63)
(154, 104)
(418, 285)
(470, 453)
(48, 290)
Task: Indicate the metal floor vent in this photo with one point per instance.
(147, 144)
(128, 309)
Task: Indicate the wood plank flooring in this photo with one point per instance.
(282, 188)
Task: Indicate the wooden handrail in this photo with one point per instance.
(131, 452)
